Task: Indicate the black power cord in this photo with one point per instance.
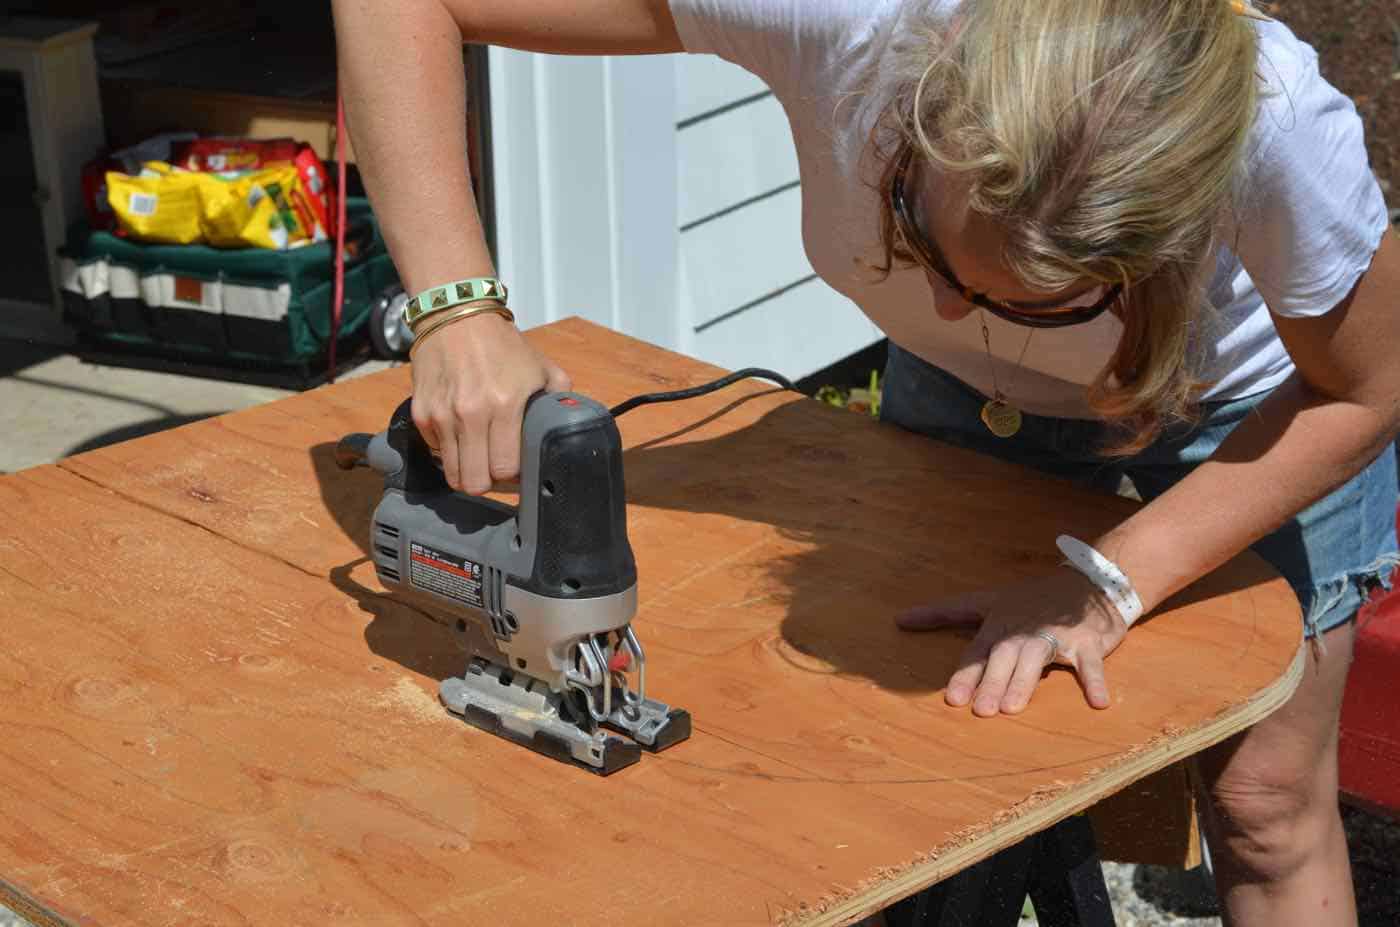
(692, 392)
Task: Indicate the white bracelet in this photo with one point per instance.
(1103, 573)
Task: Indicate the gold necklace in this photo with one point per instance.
(998, 414)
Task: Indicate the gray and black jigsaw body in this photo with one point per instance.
(555, 664)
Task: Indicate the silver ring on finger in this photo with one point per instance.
(1053, 641)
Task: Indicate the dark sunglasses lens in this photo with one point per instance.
(1054, 318)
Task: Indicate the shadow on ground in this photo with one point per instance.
(1374, 842)
(20, 355)
(1176, 892)
(137, 430)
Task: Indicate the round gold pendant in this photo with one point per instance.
(1001, 419)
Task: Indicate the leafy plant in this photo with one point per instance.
(858, 399)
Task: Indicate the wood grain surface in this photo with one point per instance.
(211, 713)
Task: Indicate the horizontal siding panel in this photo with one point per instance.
(747, 295)
(705, 83)
(797, 333)
(744, 256)
(734, 157)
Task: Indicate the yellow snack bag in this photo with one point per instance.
(158, 205)
(254, 209)
(165, 204)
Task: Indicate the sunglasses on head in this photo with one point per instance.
(1040, 316)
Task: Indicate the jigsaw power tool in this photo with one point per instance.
(551, 587)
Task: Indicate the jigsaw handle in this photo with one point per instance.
(409, 465)
(416, 470)
(570, 529)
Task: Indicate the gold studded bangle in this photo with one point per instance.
(442, 320)
(448, 296)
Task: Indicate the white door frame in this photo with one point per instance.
(584, 175)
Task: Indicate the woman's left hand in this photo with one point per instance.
(1005, 660)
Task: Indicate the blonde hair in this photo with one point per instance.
(1104, 137)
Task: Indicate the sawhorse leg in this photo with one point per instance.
(1059, 868)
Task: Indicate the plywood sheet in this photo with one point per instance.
(211, 713)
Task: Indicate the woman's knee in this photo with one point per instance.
(1272, 791)
(1268, 817)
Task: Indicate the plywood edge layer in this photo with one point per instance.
(891, 886)
(27, 908)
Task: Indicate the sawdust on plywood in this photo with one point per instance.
(407, 699)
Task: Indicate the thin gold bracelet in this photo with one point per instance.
(420, 337)
(463, 313)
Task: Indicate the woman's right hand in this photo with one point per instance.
(471, 380)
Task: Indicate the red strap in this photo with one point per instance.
(339, 302)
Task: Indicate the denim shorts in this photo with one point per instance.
(1334, 553)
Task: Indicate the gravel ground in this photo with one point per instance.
(1358, 49)
(1155, 896)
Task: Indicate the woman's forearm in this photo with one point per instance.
(403, 82)
(1295, 448)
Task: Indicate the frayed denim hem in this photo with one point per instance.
(1332, 601)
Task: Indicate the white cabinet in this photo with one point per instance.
(47, 65)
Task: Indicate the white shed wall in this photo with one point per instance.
(659, 196)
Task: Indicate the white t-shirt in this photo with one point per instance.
(1312, 216)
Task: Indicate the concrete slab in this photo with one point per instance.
(53, 404)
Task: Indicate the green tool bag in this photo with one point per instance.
(246, 306)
